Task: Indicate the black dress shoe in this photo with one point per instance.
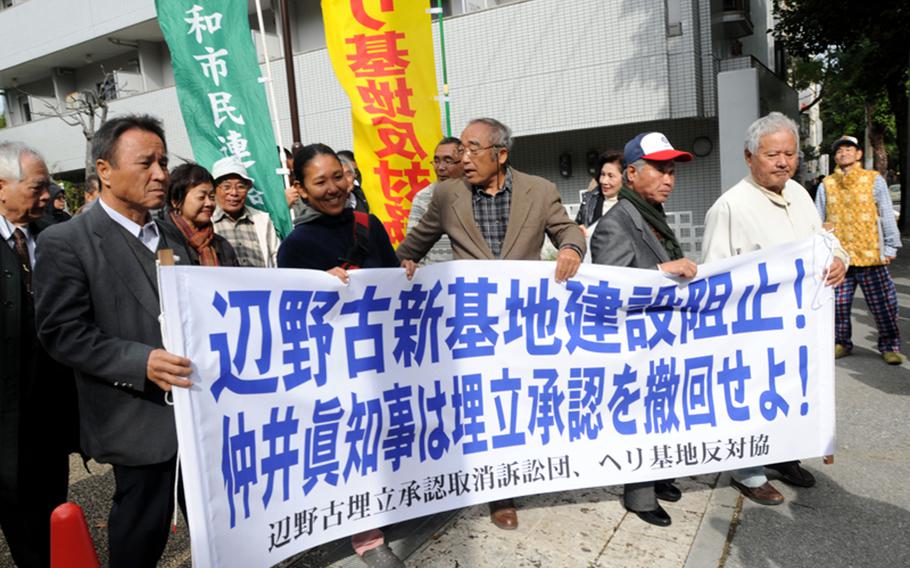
(666, 491)
(792, 474)
(658, 517)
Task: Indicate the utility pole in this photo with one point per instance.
(445, 76)
(289, 70)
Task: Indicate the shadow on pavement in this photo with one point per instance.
(823, 526)
(866, 366)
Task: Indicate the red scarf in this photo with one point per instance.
(199, 239)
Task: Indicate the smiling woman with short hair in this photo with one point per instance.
(188, 216)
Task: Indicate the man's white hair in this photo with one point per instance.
(769, 124)
(637, 164)
(11, 159)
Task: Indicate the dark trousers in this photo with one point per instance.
(140, 517)
(36, 438)
(25, 511)
(641, 497)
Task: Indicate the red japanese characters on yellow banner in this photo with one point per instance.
(382, 52)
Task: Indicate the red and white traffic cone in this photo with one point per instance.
(71, 543)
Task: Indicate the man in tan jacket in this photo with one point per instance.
(495, 212)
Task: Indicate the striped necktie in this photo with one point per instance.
(21, 246)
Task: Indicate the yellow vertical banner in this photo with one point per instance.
(382, 53)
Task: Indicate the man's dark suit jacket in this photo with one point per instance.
(536, 212)
(38, 422)
(97, 312)
(37, 398)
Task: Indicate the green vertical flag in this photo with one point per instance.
(221, 96)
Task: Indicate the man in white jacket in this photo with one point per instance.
(767, 208)
(250, 231)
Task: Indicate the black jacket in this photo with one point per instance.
(592, 202)
(97, 308)
(38, 411)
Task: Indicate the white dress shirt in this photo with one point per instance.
(147, 233)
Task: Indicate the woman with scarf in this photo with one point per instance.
(188, 216)
(635, 233)
(330, 236)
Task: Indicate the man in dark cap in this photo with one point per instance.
(856, 201)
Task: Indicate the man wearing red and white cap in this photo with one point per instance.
(634, 233)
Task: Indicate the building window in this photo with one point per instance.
(780, 59)
(25, 108)
(456, 7)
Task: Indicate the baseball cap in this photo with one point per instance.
(652, 146)
(843, 141)
(230, 165)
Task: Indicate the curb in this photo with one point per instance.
(710, 543)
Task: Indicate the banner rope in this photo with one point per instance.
(830, 240)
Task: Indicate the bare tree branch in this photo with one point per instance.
(86, 109)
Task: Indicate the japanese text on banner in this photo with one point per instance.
(382, 53)
(322, 410)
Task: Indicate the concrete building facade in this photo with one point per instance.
(571, 78)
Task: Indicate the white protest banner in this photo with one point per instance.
(319, 410)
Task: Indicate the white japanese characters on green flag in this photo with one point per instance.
(222, 98)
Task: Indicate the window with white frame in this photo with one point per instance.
(456, 7)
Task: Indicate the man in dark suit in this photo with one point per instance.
(635, 233)
(97, 312)
(37, 399)
(495, 212)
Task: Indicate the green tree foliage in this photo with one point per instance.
(860, 52)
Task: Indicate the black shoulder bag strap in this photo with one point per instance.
(360, 247)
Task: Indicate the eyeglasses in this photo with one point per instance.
(476, 150)
(238, 187)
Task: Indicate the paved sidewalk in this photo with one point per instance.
(585, 528)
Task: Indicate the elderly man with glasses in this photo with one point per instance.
(495, 212)
(447, 165)
(250, 231)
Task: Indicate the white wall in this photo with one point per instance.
(560, 67)
(760, 44)
(63, 146)
(39, 27)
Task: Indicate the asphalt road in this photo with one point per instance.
(859, 512)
